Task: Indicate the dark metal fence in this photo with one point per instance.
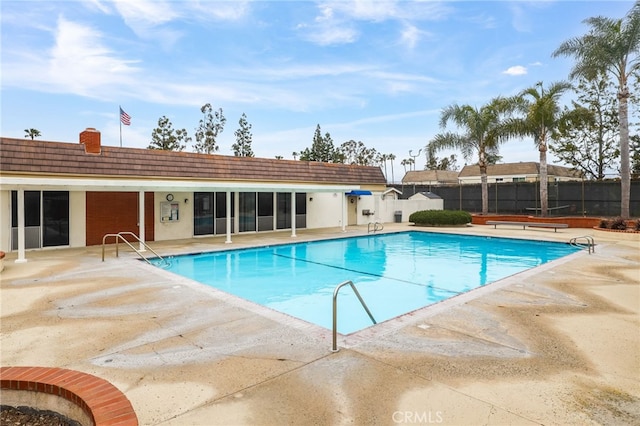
(580, 198)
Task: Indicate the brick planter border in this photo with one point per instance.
(99, 399)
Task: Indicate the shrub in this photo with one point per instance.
(636, 227)
(440, 217)
(618, 223)
(604, 224)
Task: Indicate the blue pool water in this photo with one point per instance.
(394, 273)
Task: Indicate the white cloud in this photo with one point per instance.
(81, 64)
(410, 36)
(515, 70)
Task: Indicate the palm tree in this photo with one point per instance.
(482, 134)
(542, 117)
(382, 158)
(391, 157)
(611, 46)
(32, 133)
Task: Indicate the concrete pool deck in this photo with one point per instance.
(556, 345)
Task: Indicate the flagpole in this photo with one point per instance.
(120, 121)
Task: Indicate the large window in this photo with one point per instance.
(210, 213)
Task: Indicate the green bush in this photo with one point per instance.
(440, 217)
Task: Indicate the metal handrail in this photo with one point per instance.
(377, 226)
(591, 243)
(335, 311)
(119, 236)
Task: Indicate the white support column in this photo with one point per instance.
(141, 220)
(344, 212)
(293, 214)
(228, 240)
(21, 241)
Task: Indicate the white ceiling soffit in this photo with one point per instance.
(125, 185)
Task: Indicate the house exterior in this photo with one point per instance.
(55, 194)
(430, 177)
(517, 172)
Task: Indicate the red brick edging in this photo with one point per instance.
(99, 399)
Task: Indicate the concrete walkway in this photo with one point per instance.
(556, 345)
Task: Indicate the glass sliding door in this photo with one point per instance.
(265, 211)
(55, 218)
(301, 210)
(283, 213)
(221, 212)
(247, 211)
(203, 208)
(46, 219)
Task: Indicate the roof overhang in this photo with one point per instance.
(159, 185)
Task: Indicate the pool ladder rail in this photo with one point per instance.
(377, 226)
(589, 243)
(120, 236)
(334, 348)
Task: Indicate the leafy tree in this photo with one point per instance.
(279, 157)
(322, 149)
(587, 135)
(435, 163)
(165, 138)
(542, 115)
(357, 153)
(482, 132)
(635, 156)
(211, 125)
(611, 46)
(242, 147)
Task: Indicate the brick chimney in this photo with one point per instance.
(90, 137)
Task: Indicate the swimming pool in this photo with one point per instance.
(395, 273)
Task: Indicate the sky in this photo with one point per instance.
(379, 72)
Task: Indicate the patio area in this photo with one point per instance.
(559, 344)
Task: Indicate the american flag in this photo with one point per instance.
(125, 118)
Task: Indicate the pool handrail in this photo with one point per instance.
(377, 226)
(119, 236)
(591, 243)
(334, 348)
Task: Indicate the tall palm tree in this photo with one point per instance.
(391, 157)
(482, 134)
(32, 133)
(611, 46)
(542, 115)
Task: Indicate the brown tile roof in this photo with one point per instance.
(440, 176)
(58, 158)
(525, 168)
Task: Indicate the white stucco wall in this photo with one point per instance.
(324, 209)
(77, 219)
(183, 227)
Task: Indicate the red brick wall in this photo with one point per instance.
(572, 221)
(113, 212)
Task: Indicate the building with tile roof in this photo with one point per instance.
(517, 172)
(73, 194)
